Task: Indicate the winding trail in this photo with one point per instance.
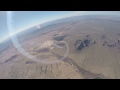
(86, 74)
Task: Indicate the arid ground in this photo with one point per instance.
(94, 51)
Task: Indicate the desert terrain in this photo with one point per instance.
(94, 50)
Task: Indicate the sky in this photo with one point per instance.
(25, 19)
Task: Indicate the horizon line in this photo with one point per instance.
(28, 27)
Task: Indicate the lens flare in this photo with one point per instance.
(19, 47)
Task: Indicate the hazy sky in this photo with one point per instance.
(24, 19)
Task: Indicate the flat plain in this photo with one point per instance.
(94, 51)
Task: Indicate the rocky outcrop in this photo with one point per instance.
(118, 41)
(77, 43)
(111, 43)
(103, 37)
(87, 36)
(93, 42)
(59, 38)
(80, 44)
(11, 58)
(86, 42)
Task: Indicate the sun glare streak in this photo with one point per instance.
(19, 47)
